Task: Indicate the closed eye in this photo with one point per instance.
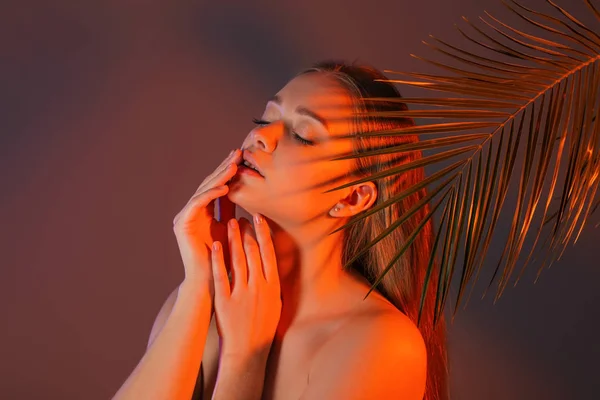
(262, 122)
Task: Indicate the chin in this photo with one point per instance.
(242, 199)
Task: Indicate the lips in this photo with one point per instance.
(247, 157)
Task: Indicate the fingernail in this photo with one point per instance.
(257, 218)
(232, 223)
(215, 246)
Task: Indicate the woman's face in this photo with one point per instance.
(311, 107)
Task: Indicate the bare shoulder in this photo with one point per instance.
(375, 354)
(379, 324)
(384, 331)
(389, 325)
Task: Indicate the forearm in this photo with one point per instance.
(241, 379)
(169, 368)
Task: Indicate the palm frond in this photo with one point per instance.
(541, 97)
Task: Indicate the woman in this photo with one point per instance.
(292, 323)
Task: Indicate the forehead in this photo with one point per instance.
(320, 93)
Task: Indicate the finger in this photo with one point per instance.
(238, 258)
(203, 200)
(219, 178)
(221, 282)
(267, 250)
(226, 175)
(219, 168)
(198, 203)
(253, 259)
(233, 159)
(223, 173)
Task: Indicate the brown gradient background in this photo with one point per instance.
(112, 113)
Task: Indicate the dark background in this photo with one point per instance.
(113, 112)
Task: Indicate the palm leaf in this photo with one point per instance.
(542, 98)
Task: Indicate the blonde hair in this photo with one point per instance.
(403, 284)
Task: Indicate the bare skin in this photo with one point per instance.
(320, 300)
(324, 316)
(294, 352)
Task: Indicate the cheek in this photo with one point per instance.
(318, 180)
(298, 193)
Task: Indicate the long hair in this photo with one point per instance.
(404, 283)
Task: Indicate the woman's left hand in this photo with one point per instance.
(247, 311)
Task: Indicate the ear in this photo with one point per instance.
(360, 198)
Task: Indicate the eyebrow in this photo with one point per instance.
(304, 111)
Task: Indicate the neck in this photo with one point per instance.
(309, 262)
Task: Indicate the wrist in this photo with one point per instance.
(244, 360)
(196, 287)
(240, 377)
(246, 371)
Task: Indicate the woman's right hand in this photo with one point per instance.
(196, 227)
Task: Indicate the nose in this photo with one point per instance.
(266, 137)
